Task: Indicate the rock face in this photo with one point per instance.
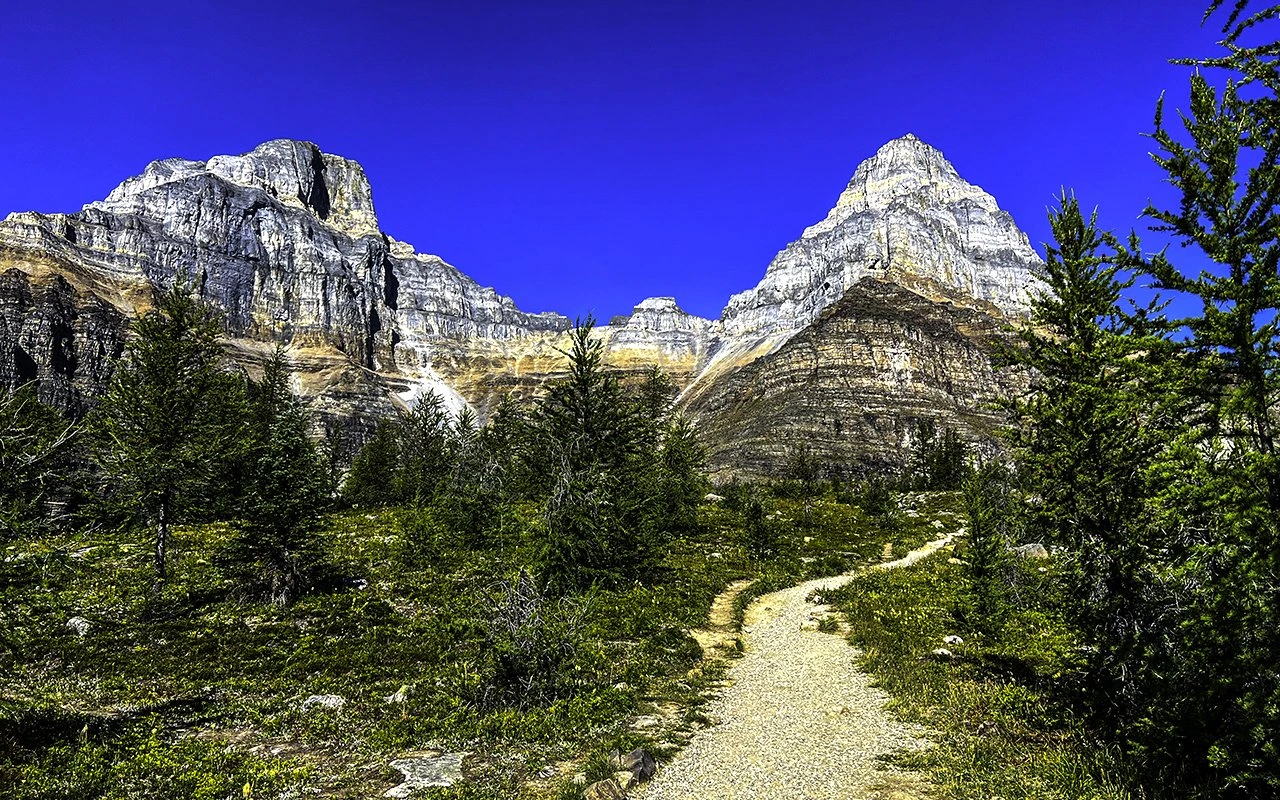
(905, 215)
(286, 241)
(854, 383)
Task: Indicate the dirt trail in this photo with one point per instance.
(798, 720)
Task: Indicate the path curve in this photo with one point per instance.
(799, 721)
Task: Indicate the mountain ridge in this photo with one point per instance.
(286, 240)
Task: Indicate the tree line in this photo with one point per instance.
(179, 436)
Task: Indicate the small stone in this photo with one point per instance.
(580, 779)
(646, 723)
(937, 523)
(637, 763)
(624, 779)
(79, 625)
(712, 498)
(943, 653)
(331, 702)
(952, 639)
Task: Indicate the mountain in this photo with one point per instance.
(285, 239)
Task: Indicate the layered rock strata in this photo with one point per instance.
(286, 241)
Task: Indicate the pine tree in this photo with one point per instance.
(166, 425)
(1092, 432)
(277, 548)
(371, 479)
(36, 450)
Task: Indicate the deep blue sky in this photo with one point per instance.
(580, 156)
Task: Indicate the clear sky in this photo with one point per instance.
(580, 156)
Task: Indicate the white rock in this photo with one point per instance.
(425, 772)
(332, 702)
(79, 625)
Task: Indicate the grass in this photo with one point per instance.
(999, 707)
(189, 692)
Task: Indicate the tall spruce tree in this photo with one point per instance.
(1222, 495)
(1090, 433)
(168, 420)
(276, 549)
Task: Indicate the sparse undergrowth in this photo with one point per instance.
(999, 704)
(190, 691)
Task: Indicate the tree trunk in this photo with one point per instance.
(162, 537)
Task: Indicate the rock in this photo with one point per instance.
(905, 213)
(331, 702)
(712, 498)
(952, 639)
(426, 771)
(638, 763)
(604, 790)
(956, 561)
(624, 779)
(79, 625)
(942, 653)
(579, 779)
(1035, 550)
(937, 523)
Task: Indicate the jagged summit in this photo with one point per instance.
(905, 215)
(333, 189)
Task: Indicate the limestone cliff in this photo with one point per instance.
(906, 214)
(854, 383)
(285, 239)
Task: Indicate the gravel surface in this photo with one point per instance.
(798, 720)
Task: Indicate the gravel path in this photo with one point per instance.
(799, 720)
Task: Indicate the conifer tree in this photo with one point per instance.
(167, 423)
(369, 482)
(277, 549)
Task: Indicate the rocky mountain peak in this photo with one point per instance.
(906, 215)
(331, 188)
(904, 169)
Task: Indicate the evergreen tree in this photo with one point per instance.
(1221, 494)
(277, 549)
(167, 423)
(425, 444)
(1092, 433)
(370, 481)
(989, 503)
(590, 444)
(36, 452)
(938, 463)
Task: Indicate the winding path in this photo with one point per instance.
(799, 719)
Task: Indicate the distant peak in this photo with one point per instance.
(294, 172)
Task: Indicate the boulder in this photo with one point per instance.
(638, 762)
(1034, 550)
(604, 790)
(426, 771)
(78, 625)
